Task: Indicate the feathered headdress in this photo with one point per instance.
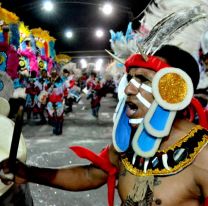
(8, 17)
(124, 45)
(183, 16)
(24, 31)
(179, 16)
(44, 41)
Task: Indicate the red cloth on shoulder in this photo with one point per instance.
(205, 202)
(103, 162)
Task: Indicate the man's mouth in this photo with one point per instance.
(131, 109)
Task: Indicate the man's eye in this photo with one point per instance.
(142, 78)
(129, 77)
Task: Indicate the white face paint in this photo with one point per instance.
(147, 88)
(132, 106)
(136, 121)
(139, 94)
(144, 101)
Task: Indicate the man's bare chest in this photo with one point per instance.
(178, 189)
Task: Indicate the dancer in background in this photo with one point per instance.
(41, 84)
(55, 108)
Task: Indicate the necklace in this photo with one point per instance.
(168, 161)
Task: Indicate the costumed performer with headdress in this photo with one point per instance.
(55, 107)
(157, 155)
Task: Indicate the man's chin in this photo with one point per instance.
(134, 125)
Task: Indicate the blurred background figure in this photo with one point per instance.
(41, 84)
(31, 91)
(55, 107)
(94, 93)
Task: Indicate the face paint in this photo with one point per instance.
(150, 131)
(147, 88)
(136, 121)
(173, 91)
(122, 129)
(145, 102)
(135, 83)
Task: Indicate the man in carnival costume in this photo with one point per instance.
(55, 108)
(158, 156)
(41, 84)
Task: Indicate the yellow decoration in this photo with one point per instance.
(24, 31)
(22, 62)
(62, 58)
(2, 59)
(41, 36)
(172, 88)
(8, 17)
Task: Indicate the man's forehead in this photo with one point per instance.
(142, 71)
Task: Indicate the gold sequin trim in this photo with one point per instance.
(176, 168)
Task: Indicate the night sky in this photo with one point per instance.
(82, 17)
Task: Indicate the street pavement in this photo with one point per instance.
(48, 150)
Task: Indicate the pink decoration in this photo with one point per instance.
(50, 65)
(32, 59)
(12, 59)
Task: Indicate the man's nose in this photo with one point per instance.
(131, 89)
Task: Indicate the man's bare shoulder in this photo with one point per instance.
(202, 158)
(200, 170)
(114, 156)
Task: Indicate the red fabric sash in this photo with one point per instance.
(200, 111)
(103, 162)
(205, 202)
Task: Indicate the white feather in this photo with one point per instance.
(189, 38)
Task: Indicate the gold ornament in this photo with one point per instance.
(172, 88)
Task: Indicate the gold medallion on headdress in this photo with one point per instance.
(173, 88)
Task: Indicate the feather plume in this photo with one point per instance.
(124, 45)
(8, 17)
(24, 31)
(180, 15)
(44, 41)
